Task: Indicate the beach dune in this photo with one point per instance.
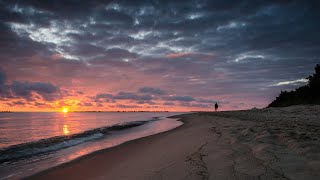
(272, 143)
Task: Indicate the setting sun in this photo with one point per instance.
(65, 110)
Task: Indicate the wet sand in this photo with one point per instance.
(273, 143)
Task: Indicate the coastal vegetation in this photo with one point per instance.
(308, 94)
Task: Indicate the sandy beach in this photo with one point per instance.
(272, 143)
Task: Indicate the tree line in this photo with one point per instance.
(308, 94)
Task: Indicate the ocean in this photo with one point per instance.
(33, 142)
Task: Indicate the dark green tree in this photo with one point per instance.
(308, 94)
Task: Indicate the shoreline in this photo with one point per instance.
(106, 150)
(272, 143)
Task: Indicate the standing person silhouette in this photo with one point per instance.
(216, 107)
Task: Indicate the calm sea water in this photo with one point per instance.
(33, 142)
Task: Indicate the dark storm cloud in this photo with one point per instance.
(24, 90)
(146, 102)
(151, 90)
(13, 46)
(3, 78)
(68, 9)
(207, 101)
(3, 86)
(204, 25)
(113, 17)
(180, 98)
(10, 16)
(85, 50)
(208, 48)
(142, 97)
(168, 104)
(123, 96)
(119, 53)
(132, 96)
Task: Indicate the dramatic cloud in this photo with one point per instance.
(180, 98)
(185, 55)
(156, 95)
(151, 90)
(3, 86)
(25, 90)
(124, 96)
(3, 78)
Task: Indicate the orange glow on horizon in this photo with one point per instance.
(79, 104)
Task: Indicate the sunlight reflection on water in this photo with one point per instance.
(65, 129)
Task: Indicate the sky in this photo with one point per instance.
(154, 55)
